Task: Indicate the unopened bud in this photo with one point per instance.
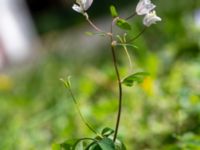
(114, 43)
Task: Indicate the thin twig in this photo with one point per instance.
(137, 36)
(91, 23)
(123, 40)
(79, 111)
(131, 16)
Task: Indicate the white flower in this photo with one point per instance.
(151, 18)
(82, 5)
(144, 7)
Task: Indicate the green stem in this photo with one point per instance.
(137, 36)
(120, 94)
(91, 23)
(131, 16)
(129, 57)
(119, 84)
(79, 111)
(126, 50)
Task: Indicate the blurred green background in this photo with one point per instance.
(162, 113)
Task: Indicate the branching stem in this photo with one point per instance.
(119, 83)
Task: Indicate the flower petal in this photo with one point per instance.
(77, 8)
(151, 18)
(144, 7)
(87, 4)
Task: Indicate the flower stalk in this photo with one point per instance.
(144, 7)
(120, 92)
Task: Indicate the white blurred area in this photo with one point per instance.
(197, 18)
(18, 39)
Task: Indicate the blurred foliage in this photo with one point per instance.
(162, 113)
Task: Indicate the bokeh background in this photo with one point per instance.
(162, 113)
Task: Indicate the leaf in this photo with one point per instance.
(121, 23)
(67, 82)
(190, 140)
(95, 33)
(66, 146)
(113, 11)
(119, 145)
(89, 33)
(106, 144)
(91, 146)
(95, 147)
(78, 145)
(135, 77)
(107, 131)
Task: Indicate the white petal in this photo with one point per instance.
(87, 4)
(151, 18)
(77, 8)
(144, 7)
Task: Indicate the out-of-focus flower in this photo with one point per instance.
(18, 39)
(197, 18)
(144, 7)
(148, 85)
(82, 5)
(151, 18)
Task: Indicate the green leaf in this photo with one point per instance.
(190, 141)
(91, 146)
(135, 77)
(56, 147)
(67, 82)
(94, 147)
(95, 33)
(113, 11)
(89, 33)
(119, 145)
(78, 145)
(106, 144)
(107, 132)
(123, 24)
(66, 146)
